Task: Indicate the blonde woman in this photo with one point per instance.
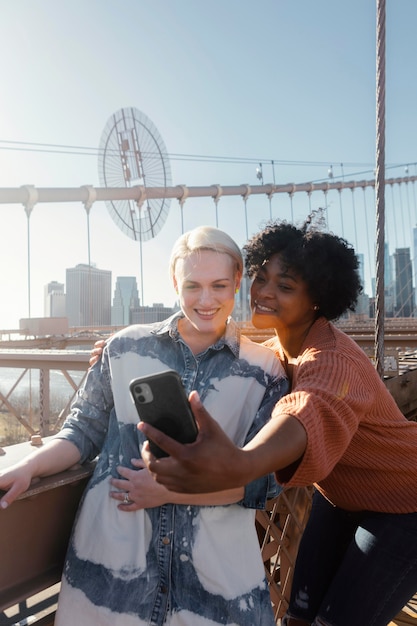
(141, 554)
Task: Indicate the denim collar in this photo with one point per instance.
(230, 339)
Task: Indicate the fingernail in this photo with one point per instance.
(4, 504)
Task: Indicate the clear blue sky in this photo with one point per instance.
(289, 81)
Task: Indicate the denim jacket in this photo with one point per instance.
(174, 564)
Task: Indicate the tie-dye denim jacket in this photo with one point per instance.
(173, 564)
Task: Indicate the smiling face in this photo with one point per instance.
(280, 300)
(206, 282)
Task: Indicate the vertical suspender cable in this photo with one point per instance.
(341, 211)
(291, 194)
(355, 230)
(414, 197)
(380, 185)
(371, 260)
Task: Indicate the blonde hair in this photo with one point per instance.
(205, 238)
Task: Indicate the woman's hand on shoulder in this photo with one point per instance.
(96, 352)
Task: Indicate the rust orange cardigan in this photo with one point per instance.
(361, 452)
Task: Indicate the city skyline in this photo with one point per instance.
(289, 86)
(400, 293)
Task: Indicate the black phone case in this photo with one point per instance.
(161, 401)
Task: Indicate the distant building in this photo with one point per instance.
(43, 326)
(88, 301)
(404, 304)
(362, 310)
(54, 300)
(125, 300)
(155, 313)
(361, 268)
(389, 283)
(362, 305)
(242, 312)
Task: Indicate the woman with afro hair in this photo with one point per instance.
(338, 428)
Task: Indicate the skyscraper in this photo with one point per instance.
(389, 283)
(241, 311)
(361, 268)
(362, 305)
(403, 283)
(88, 296)
(54, 302)
(125, 300)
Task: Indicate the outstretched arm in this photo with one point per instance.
(214, 463)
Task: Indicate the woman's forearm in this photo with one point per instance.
(281, 442)
(55, 456)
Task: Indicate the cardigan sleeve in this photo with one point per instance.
(330, 396)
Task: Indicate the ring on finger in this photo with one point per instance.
(126, 499)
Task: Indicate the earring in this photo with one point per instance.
(316, 307)
(237, 290)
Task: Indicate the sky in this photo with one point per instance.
(228, 84)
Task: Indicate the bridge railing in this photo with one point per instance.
(45, 362)
(34, 535)
(72, 364)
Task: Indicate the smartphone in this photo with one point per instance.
(161, 401)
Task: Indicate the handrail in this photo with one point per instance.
(37, 527)
(26, 194)
(45, 361)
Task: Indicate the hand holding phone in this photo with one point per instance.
(161, 401)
